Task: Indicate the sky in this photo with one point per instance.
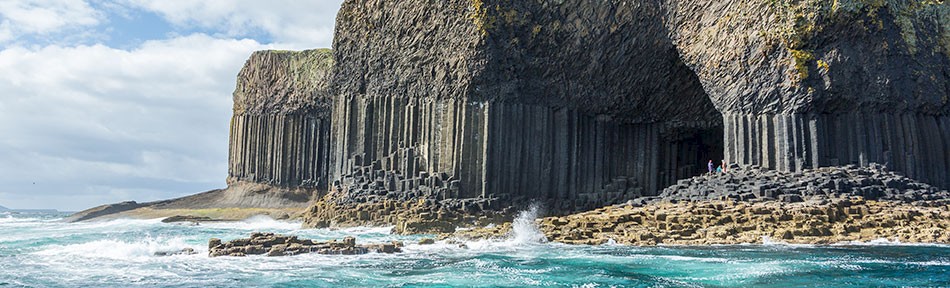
(114, 100)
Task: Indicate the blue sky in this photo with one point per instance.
(114, 100)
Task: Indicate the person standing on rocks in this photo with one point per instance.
(711, 165)
(724, 167)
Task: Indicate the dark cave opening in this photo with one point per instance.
(689, 153)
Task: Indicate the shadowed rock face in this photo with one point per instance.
(582, 104)
(280, 125)
(606, 58)
(804, 84)
(459, 99)
(811, 56)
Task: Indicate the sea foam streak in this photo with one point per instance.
(256, 223)
(121, 253)
(118, 249)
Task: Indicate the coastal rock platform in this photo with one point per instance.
(271, 244)
(750, 205)
(730, 222)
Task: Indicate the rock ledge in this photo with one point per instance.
(271, 244)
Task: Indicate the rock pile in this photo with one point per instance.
(756, 184)
(271, 244)
(409, 217)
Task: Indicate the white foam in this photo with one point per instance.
(116, 249)
(369, 230)
(256, 223)
(887, 242)
(524, 233)
(524, 229)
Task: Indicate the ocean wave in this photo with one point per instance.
(117, 249)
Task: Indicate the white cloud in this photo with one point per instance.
(91, 124)
(43, 17)
(90, 120)
(302, 24)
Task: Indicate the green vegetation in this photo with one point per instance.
(802, 59)
(806, 18)
(802, 20)
(823, 65)
(479, 16)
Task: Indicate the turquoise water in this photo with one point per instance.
(37, 250)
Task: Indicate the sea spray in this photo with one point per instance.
(121, 254)
(524, 229)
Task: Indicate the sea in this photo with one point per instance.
(40, 250)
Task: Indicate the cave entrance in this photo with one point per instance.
(687, 154)
(697, 136)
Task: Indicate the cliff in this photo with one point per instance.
(278, 147)
(446, 101)
(580, 104)
(804, 84)
(280, 129)
(429, 113)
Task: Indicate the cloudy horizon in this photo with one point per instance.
(109, 101)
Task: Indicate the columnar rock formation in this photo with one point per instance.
(582, 103)
(280, 127)
(456, 107)
(811, 83)
(513, 110)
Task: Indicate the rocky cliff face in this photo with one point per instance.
(280, 127)
(464, 99)
(580, 103)
(809, 83)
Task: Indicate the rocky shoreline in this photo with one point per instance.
(731, 222)
(752, 205)
(407, 216)
(271, 244)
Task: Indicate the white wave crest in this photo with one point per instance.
(256, 223)
(116, 249)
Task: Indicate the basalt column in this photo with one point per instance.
(456, 149)
(280, 127)
(914, 144)
(806, 84)
(502, 100)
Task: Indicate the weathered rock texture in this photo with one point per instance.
(756, 184)
(580, 103)
(442, 102)
(810, 83)
(693, 223)
(271, 244)
(408, 216)
(280, 127)
(747, 204)
(728, 222)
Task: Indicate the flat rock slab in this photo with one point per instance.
(271, 244)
